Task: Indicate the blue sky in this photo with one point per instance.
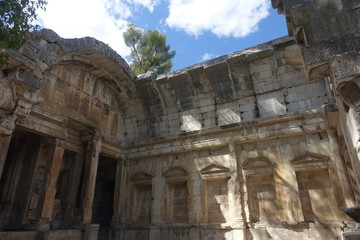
(197, 29)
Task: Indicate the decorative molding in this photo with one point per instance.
(310, 161)
(142, 178)
(175, 174)
(259, 165)
(215, 171)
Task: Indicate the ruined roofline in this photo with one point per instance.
(247, 51)
(69, 45)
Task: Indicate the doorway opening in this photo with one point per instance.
(102, 210)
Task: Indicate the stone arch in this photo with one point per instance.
(95, 58)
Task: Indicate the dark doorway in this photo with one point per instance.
(15, 183)
(102, 211)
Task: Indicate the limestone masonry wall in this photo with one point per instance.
(259, 144)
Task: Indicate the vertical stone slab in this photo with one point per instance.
(344, 182)
(194, 234)
(75, 183)
(118, 193)
(90, 173)
(287, 192)
(154, 233)
(91, 232)
(7, 126)
(50, 190)
(124, 199)
(235, 202)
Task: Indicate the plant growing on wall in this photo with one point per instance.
(16, 18)
(149, 51)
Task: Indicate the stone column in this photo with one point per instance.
(90, 173)
(7, 126)
(50, 189)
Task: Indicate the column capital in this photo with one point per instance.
(7, 124)
(94, 145)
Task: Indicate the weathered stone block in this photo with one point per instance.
(351, 236)
(271, 104)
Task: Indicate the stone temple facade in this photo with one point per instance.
(260, 144)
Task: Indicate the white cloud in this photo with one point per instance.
(237, 18)
(207, 56)
(149, 4)
(81, 18)
(105, 20)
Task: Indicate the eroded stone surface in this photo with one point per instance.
(258, 144)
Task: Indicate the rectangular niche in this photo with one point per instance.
(177, 196)
(216, 179)
(262, 197)
(316, 195)
(263, 205)
(315, 188)
(142, 204)
(141, 201)
(217, 201)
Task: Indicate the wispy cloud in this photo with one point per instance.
(149, 4)
(207, 56)
(237, 18)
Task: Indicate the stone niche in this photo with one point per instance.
(142, 197)
(176, 195)
(216, 190)
(315, 188)
(262, 198)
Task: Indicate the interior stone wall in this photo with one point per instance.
(258, 144)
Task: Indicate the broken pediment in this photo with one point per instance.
(215, 171)
(258, 166)
(310, 161)
(175, 174)
(140, 178)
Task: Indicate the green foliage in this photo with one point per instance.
(149, 51)
(16, 18)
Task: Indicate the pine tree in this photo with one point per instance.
(149, 51)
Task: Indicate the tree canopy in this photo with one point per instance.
(16, 18)
(149, 51)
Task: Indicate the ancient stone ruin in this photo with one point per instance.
(259, 144)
